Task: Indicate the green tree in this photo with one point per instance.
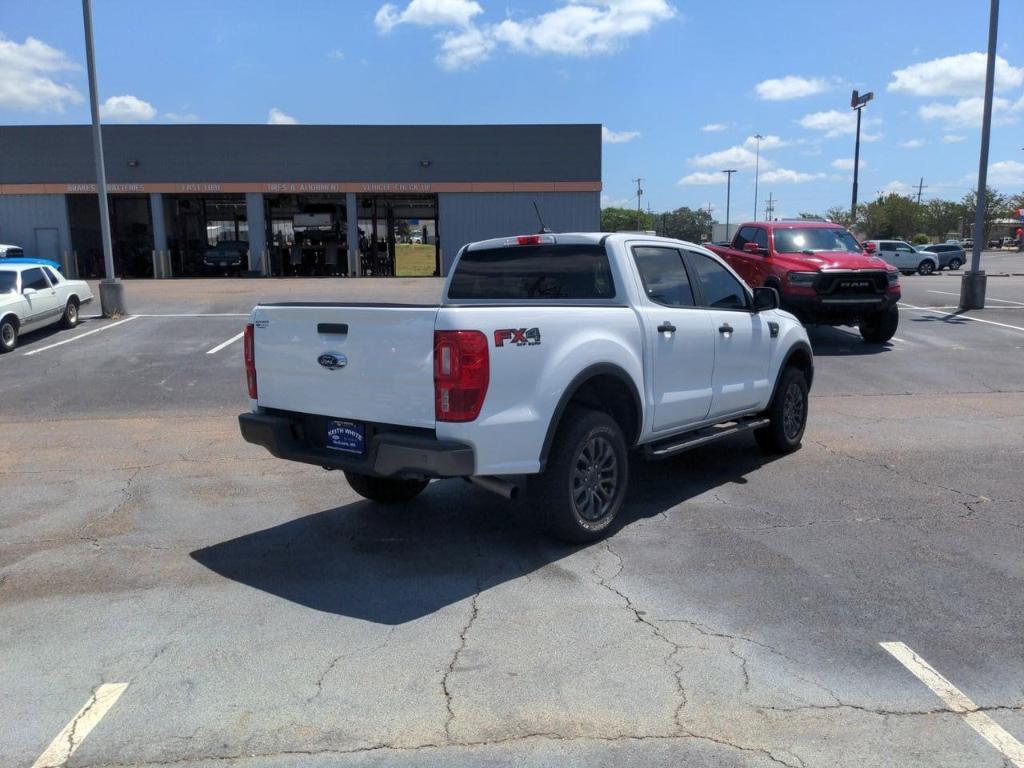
(891, 215)
(684, 224)
(942, 218)
(840, 215)
(996, 207)
(624, 220)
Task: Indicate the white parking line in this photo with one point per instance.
(987, 298)
(965, 317)
(68, 740)
(986, 727)
(80, 336)
(223, 344)
(201, 314)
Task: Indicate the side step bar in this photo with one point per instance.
(679, 443)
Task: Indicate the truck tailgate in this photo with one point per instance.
(387, 353)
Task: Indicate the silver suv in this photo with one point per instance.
(905, 257)
(950, 255)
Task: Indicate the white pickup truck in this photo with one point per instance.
(549, 357)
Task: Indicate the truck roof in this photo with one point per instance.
(577, 238)
(793, 224)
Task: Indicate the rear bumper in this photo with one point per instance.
(388, 454)
(837, 310)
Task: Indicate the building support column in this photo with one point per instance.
(160, 256)
(256, 216)
(352, 233)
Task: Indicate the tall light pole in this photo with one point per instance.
(972, 284)
(639, 194)
(857, 102)
(111, 289)
(728, 195)
(757, 165)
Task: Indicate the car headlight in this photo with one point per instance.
(894, 277)
(802, 278)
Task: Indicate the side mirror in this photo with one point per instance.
(28, 291)
(869, 247)
(751, 248)
(765, 298)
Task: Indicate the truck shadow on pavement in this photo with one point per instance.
(827, 341)
(392, 565)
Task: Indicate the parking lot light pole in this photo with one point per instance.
(972, 284)
(757, 165)
(857, 102)
(728, 195)
(111, 289)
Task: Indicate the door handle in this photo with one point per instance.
(666, 327)
(725, 328)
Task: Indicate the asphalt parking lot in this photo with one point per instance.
(172, 595)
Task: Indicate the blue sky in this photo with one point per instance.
(675, 83)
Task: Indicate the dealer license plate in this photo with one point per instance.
(347, 436)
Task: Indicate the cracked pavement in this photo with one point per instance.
(266, 616)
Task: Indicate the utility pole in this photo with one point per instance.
(757, 165)
(711, 223)
(728, 197)
(920, 186)
(973, 283)
(769, 209)
(857, 102)
(639, 194)
(111, 289)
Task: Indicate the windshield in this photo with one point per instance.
(815, 239)
(8, 282)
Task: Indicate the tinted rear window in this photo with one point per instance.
(534, 272)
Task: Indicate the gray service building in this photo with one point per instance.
(308, 199)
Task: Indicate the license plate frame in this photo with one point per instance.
(345, 436)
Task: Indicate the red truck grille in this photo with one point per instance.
(852, 283)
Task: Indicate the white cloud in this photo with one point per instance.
(960, 75)
(714, 127)
(579, 28)
(127, 109)
(583, 28)
(26, 77)
(846, 163)
(789, 87)
(968, 112)
(952, 138)
(608, 202)
(336, 55)
(609, 136)
(787, 176)
(702, 177)
(181, 117)
(912, 144)
(277, 117)
(428, 13)
(737, 157)
(895, 187)
(834, 123)
(1006, 173)
(767, 142)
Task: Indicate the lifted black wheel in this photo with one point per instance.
(881, 326)
(385, 490)
(583, 487)
(788, 414)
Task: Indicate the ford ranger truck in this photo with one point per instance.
(548, 359)
(823, 275)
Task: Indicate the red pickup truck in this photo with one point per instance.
(823, 275)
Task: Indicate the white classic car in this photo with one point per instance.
(33, 296)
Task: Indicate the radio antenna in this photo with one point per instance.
(543, 229)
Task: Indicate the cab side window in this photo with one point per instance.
(744, 236)
(720, 289)
(664, 276)
(761, 238)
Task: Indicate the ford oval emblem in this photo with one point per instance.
(332, 361)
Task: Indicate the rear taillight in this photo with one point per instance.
(462, 372)
(249, 345)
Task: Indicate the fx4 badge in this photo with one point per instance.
(520, 337)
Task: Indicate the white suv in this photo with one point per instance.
(905, 257)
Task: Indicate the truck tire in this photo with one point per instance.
(385, 490)
(926, 267)
(583, 486)
(8, 334)
(881, 326)
(788, 414)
